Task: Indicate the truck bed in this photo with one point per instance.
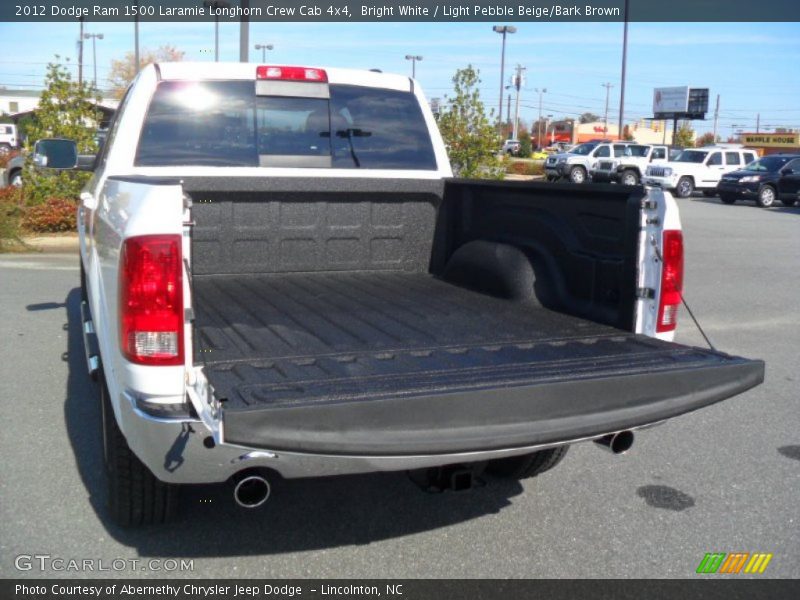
(393, 362)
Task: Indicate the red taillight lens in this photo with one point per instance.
(291, 74)
(671, 281)
(151, 300)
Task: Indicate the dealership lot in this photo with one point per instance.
(724, 479)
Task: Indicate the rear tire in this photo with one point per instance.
(684, 188)
(135, 496)
(728, 199)
(709, 193)
(527, 465)
(766, 196)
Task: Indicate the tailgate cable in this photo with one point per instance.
(680, 293)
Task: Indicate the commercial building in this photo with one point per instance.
(772, 143)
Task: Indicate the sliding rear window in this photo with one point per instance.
(224, 123)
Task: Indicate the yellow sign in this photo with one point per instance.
(775, 140)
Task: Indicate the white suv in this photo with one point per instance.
(629, 163)
(577, 164)
(8, 137)
(697, 169)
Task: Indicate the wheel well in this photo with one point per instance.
(768, 185)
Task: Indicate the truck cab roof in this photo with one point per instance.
(203, 71)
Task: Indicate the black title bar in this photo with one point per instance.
(393, 10)
(706, 587)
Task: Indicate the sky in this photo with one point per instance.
(754, 67)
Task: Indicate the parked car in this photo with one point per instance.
(697, 169)
(294, 311)
(629, 163)
(579, 164)
(511, 147)
(13, 172)
(771, 178)
(8, 137)
(573, 165)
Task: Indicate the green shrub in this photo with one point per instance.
(54, 215)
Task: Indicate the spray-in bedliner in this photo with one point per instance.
(394, 362)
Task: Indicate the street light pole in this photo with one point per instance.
(264, 48)
(413, 58)
(94, 37)
(215, 5)
(503, 30)
(539, 122)
(518, 85)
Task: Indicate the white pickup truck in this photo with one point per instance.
(281, 279)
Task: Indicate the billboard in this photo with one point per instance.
(670, 100)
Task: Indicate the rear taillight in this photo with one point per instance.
(671, 281)
(151, 300)
(291, 74)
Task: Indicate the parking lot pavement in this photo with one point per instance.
(723, 479)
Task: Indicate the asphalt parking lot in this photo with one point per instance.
(724, 479)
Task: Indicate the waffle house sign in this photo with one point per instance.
(772, 140)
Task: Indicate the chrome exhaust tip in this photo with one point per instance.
(251, 491)
(616, 443)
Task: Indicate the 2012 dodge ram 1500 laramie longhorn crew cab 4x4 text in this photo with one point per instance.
(281, 279)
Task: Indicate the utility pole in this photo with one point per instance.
(244, 33)
(518, 85)
(624, 63)
(508, 108)
(80, 55)
(758, 123)
(716, 119)
(136, 62)
(608, 87)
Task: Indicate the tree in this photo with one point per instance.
(525, 146)
(472, 141)
(707, 139)
(684, 137)
(123, 71)
(589, 117)
(66, 110)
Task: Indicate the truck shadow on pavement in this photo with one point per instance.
(300, 515)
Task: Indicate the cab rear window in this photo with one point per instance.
(224, 123)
